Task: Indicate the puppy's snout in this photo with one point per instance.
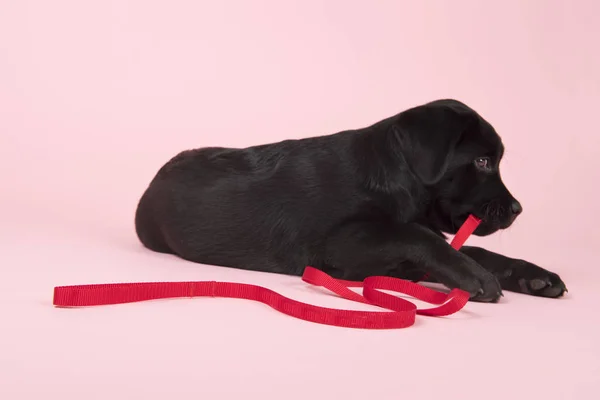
(516, 208)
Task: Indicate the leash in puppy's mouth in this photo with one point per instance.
(466, 230)
(401, 313)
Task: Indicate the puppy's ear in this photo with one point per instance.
(428, 135)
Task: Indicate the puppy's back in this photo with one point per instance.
(191, 179)
(246, 207)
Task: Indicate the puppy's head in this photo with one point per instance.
(456, 154)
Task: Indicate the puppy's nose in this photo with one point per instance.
(516, 208)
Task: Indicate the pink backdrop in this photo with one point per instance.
(96, 95)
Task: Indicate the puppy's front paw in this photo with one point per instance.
(482, 285)
(525, 277)
(490, 290)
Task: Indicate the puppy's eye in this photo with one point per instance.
(483, 163)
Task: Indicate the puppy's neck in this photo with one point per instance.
(384, 172)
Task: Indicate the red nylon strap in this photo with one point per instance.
(467, 228)
(401, 314)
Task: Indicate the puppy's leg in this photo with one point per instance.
(518, 275)
(357, 250)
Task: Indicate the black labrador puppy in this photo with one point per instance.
(371, 201)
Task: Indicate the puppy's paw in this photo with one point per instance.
(483, 289)
(490, 291)
(482, 285)
(528, 278)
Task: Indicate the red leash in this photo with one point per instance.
(401, 315)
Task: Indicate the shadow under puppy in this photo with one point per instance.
(370, 201)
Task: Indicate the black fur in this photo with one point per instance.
(372, 201)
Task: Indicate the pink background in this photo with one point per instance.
(96, 95)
